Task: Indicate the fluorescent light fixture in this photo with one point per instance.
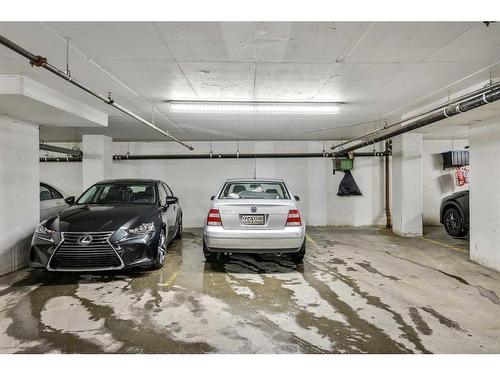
(255, 108)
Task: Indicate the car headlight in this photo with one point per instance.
(44, 233)
(143, 228)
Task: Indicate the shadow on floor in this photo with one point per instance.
(254, 263)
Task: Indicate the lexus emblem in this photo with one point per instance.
(253, 209)
(85, 240)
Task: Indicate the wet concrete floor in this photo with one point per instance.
(358, 291)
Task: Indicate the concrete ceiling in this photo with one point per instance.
(378, 70)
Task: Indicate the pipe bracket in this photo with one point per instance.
(38, 61)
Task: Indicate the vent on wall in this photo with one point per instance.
(455, 159)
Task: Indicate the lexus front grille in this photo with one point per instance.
(90, 250)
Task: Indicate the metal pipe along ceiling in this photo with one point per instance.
(61, 150)
(220, 156)
(60, 159)
(244, 156)
(473, 101)
(37, 60)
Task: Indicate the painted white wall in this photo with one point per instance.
(19, 191)
(484, 197)
(65, 176)
(438, 183)
(368, 173)
(194, 181)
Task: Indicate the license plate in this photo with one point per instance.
(252, 219)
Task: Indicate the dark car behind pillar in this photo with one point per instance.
(454, 214)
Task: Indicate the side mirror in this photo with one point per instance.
(296, 197)
(212, 197)
(172, 200)
(70, 200)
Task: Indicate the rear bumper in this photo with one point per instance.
(287, 240)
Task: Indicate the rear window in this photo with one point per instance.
(254, 190)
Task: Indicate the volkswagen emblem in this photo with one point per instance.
(85, 240)
(253, 209)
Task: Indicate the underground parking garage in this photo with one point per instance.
(251, 187)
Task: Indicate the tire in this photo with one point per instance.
(161, 254)
(453, 222)
(298, 257)
(180, 231)
(209, 256)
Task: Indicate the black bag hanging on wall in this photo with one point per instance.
(348, 186)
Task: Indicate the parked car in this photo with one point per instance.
(115, 224)
(454, 214)
(254, 216)
(51, 201)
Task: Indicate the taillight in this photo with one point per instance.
(293, 219)
(214, 217)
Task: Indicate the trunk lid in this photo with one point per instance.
(273, 211)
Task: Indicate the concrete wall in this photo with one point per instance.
(438, 183)
(194, 181)
(311, 178)
(484, 196)
(65, 176)
(19, 191)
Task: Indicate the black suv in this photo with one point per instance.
(454, 214)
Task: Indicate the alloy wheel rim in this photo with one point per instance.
(453, 222)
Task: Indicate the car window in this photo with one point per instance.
(169, 191)
(45, 193)
(55, 193)
(163, 194)
(254, 190)
(109, 193)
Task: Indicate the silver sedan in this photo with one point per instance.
(51, 201)
(254, 216)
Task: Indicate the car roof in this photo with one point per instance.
(128, 181)
(250, 179)
(55, 188)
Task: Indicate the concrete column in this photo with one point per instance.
(407, 184)
(484, 201)
(97, 161)
(318, 171)
(19, 191)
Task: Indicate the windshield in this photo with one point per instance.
(254, 190)
(119, 193)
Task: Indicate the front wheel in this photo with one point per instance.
(298, 257)
(161, 254)
(454, 222)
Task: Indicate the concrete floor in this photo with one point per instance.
(359, 290)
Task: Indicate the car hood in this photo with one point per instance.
(97, 218)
